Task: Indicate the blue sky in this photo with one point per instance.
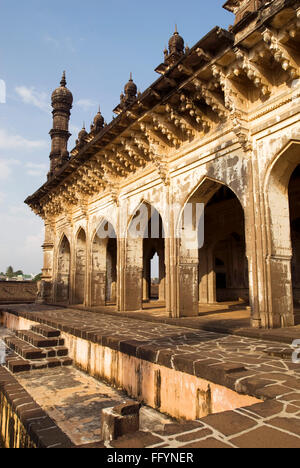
(98, 44)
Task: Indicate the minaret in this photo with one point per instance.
(61, 101)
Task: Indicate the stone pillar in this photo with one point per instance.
(203, 277)
(63, 277)
(80, 268)
(47, 289)
(133, 275)
(162, 277)
(268, 242)
(282, 291)
(170, 279)
(121, 274)
(187, 274)
(98, 283)
(146, 279)
(211, 277)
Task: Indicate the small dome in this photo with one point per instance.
(82, 134)
(99, 119)
(176, 43)
(63, 93)
(130, 88)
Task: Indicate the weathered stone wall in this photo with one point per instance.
(23, 424)
(17, 292)
(174, 392)
(248, 140)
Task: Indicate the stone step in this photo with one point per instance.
(17, 364)
(46, 331)
(24, 349)
(28, 351)
(39, 341)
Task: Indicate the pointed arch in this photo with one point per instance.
(80, 266)
(200, 226)
(145, 231)
(204, 191)
(63, 270)
(279, 242)
(145, 221)
(61, 238)
(104, 264)
(80, 230)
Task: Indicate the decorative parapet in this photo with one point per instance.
(17, 292)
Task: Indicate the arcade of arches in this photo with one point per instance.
(218, 135)
(212, 272)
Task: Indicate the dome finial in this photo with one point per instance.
(63, 82)
(176, 43)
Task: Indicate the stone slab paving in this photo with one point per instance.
(74, 401)
(250, 366)
(226, 321)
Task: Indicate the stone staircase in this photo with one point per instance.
(39, 348)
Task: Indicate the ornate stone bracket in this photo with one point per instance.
(237, 116)
(160, 163)
(114, 192)
(210, 98)
(280, 54)
(251, 70)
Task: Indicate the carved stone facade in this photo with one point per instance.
(220, 127)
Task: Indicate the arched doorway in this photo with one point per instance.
(104, 266)
(80, 268)
(282, 243)
(63, 271)
(145, 242)
(294, 206)
(212, 264)
(224, 239)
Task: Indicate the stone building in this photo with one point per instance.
(219, 129)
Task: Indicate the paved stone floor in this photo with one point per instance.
(74, 401)
(252, 366)
(224, 317)
(230, 318)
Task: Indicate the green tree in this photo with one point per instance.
(10, 272)
(37, 277)
(17, 273)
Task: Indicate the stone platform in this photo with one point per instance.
(248, 366)
(231, 318)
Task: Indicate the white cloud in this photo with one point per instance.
(61, 43)
(6, 169)
(86, 104)
(74, 129)
(34, 241)
(34, 97)
(20, 210)
(2, 92)
(13, 142)
(2, 197)
(36, 170)
(51, 40)
(21, 240)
